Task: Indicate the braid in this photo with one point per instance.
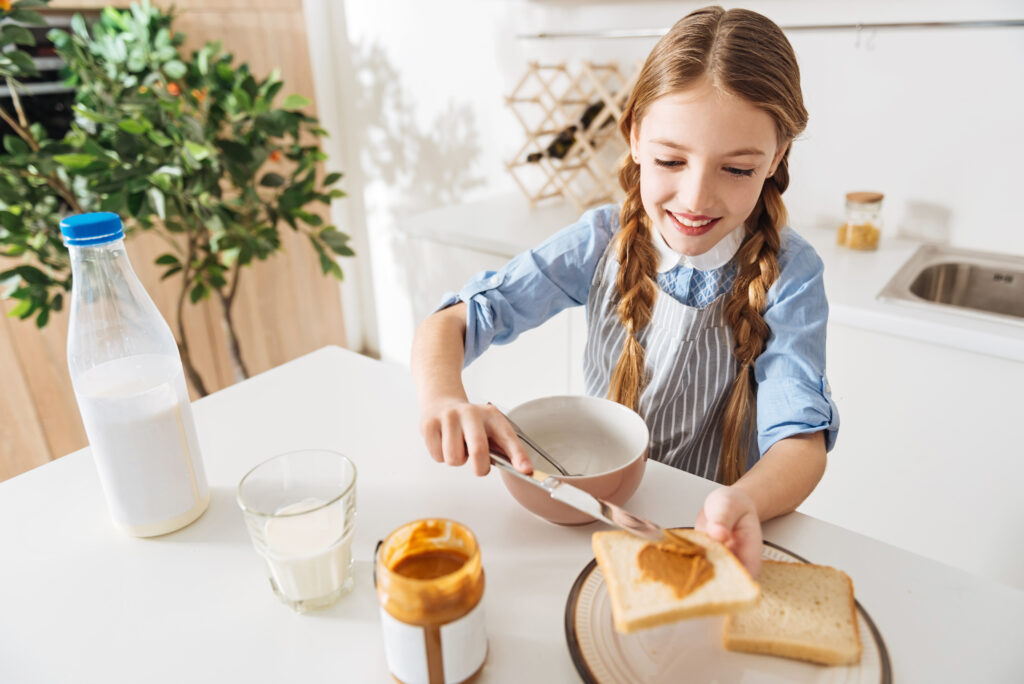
(636, 287)
(758, 270)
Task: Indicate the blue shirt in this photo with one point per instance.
(793, 396)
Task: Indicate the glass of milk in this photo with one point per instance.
(300, 508)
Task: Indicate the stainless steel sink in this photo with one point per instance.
(966, 281)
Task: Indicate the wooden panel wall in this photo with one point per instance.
(284, 308)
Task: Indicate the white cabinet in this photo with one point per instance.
(929, 454)
(447, 246)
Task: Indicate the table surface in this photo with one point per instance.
(80, 602)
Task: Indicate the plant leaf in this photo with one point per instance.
(198, 152)
(15, 145)
(295, 102)
(78, 26)
(25, 16)
(132, 126)
(229, 256)
(236, 151)
(20, 309)
(159, 138)
(272, 180)
(19, 35)
(30, 274)
(21, 59)
(112, 17)
(156, 200)
(74, 161)
(314, 220)
(135, 202)
(112, 202)
(203, 60)
(337, 241)
(175, 69)
(242, 98)
(169, 272)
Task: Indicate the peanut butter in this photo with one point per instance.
(679, 563)
(430, 564)
(429, 572)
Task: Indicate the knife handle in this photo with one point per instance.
(501, 461)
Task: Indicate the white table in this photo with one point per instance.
(80, 602)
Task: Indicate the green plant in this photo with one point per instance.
(192, 148)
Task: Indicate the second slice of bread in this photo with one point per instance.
(806, 612)
(639, 602)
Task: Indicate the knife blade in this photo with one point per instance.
(583, 501)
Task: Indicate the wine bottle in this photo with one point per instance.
(566, 138)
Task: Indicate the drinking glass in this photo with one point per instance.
(300, 508)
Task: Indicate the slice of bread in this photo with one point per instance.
(806, 612)
(639, 602)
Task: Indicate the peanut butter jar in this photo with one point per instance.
(430, 584)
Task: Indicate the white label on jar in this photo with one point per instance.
(405, 649)
(463, 648)
(464, 645)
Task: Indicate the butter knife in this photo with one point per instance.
(583, 501)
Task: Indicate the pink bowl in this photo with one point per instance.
(601, 443)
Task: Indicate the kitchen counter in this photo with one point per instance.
(504, 225)
(81, 602)
(853, 280)
(501, 225)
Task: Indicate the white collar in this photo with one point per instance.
(716, 257)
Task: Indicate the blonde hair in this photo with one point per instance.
(747, 55)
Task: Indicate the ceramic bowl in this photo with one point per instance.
(602, 444)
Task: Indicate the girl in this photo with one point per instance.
(706, 313)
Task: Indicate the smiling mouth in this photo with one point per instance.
(692, 225)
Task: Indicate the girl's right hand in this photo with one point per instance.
(456, 431)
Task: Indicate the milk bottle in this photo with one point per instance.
(130, 386)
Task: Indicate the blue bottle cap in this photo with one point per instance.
(91, 229)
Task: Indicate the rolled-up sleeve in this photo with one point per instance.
(793, 394)
(535, 285)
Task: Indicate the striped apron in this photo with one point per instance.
(690, 367)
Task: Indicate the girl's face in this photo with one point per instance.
(704, 155)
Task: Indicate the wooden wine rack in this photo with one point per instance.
(547, 101)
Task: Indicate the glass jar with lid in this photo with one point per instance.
(430, 585)
(863, 225)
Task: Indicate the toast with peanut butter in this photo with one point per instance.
(654, 584)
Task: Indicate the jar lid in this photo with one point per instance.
(864, 197)
(92, 228)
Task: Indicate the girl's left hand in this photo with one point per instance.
(730, 516)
